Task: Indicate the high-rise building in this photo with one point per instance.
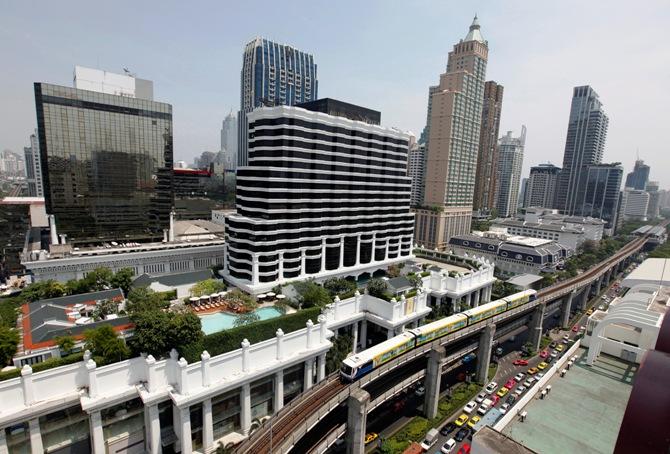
(654, 208)
(522, 193)
(453, 143)
(229, 132)
(541, 190)
(638, 178)
(510, 161)
(487, 159)
(33, 165)
(273, 74)
(601, 186)
(635, 203)
(584, 145)
(417, 171)
(426, 130)
(335, 201)
(113, 84)
(106, 162)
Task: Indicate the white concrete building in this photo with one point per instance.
(569, 237)
(113, 84)
(510, 162)
(229, 130)
(635, 203)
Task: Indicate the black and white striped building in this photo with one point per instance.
(323, 195)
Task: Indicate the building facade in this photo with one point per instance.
(638, 178)
(600, 193)
(416, 170)
(273, 74)
(541, 188)
(33, 165)
(453, 140)
(653, 210)
(569, 236)
(322, 195)
(510, 162)
(106, 162)
(487, 158)
(584, 146)
(635, 204)
(229, 132)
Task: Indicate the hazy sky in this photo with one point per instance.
(379, 54)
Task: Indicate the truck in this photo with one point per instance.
(430, 439)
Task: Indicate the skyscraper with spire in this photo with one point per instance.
(638, 178)
(453, 142)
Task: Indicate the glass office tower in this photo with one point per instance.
(106, 162)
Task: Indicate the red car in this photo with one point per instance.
(520, 362)
(575, 328)
(544, 354)
(495, 398)
(465, 449)
(510, 383)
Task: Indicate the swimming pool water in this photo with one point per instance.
(213, 323)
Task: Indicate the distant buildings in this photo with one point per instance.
(11, 164)
(654, 208)
(600, 193)
(106, 158)
(634, 204)
(18, 216)
(33, 163)
(541, 189)
(313, 203)
(584, 145)
(510, 161)
(453, 143)
(229, 131)
(273, 74)
(487, 158)
(638, 178)
(416, 170)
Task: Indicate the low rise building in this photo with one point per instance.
(567, 236)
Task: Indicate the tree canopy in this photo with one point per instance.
(207, 287)
(312, 294)
(105, 345)
(378, 288)
(9, 341)
(157, 332)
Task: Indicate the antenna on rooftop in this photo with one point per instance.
(128, 73)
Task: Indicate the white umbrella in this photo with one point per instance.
(270, 294)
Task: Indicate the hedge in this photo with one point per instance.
(230, 339)
(44, 365)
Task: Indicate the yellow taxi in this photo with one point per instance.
(589, 312)
(502, 392)
(542, 365)
(559, 348)
(474, 420)
(461, 420)
(532, 371)
(372, 436)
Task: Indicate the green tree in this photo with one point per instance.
(246, 318)
(242, 298)
(122, 279)
(339, 286)
(342, 346)
(77, 287)
(207, 287)
(311, 294)
(65, 343)
(9, 341)
(394, 270)
(378, 288)
(145, 299)
(157, 332)
(415, 280)
(105, 345)
(99, 279)
(43, 289)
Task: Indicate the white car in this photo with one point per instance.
(554, 354)
(528, 383)
(519, 390)
(470, 406)
(480, 398)
(448, 446)
(420, 391)
(539, 375)
(483, 409)
(504, 407)
(518, 377)
(566, 337)
(491, 387)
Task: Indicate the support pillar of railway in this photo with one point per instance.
(535, 334)
(599, 284)
(364, 334)
(484, 353)
(565, 308)
(433, 377)
(585, 297)
(609, 276)
(357, 414)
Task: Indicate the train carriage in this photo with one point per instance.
(439, 328)
(364, 362)
(519, 299)
(485, 311)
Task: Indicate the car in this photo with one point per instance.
(461, 420)
(566, 337)
(474, 420)
(495, 400)
(589, 312)
(565, 341)
(539, 375)
(372, 436)
(461, 434)
(549, 360)
(554, 354)
(448, 446)
(504, 407)
(447, 429)
(511, 399)
(520, 362)
(519, 390)
(420, 391)
(480, 397)
(502, 392)
(518, 377)
(470, 406)
(499, 351)
(544, 354)
(560, 348)
(542, 365)
(510, 383)
(465, 449)
(491, 387)
(532, 371)
(528, 383)
(483, 409)
(553, 344)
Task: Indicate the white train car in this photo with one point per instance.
(365, 361)
(439, 328)
(485, 311)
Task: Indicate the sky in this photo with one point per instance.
(381, 54)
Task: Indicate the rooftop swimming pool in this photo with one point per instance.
(213, 323)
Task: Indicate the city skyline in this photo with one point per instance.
(538, 76)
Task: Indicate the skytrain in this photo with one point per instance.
(368, 360)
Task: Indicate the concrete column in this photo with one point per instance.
(565, 309)
(279, 390)
(455, 305)
(207, 425)
(225, 262)
(484, 353)
(280, 266)
(97, 437)
(386, 255)
(357, 415)
(585, 297)
(35, 437)
(254, 269)
(154, 430)
(303, 263)
(358, 250)
(468, 300)
(3, 442)
(364, 334)
(390, 333)
(432, 382)
(478, 295)
(323, 255)
(354, 332)
(599, 284)
(341, 252)
(535, 334)
(245, 408)
(374, 244)
(321, 370)
(185, 424)
(309, 374)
